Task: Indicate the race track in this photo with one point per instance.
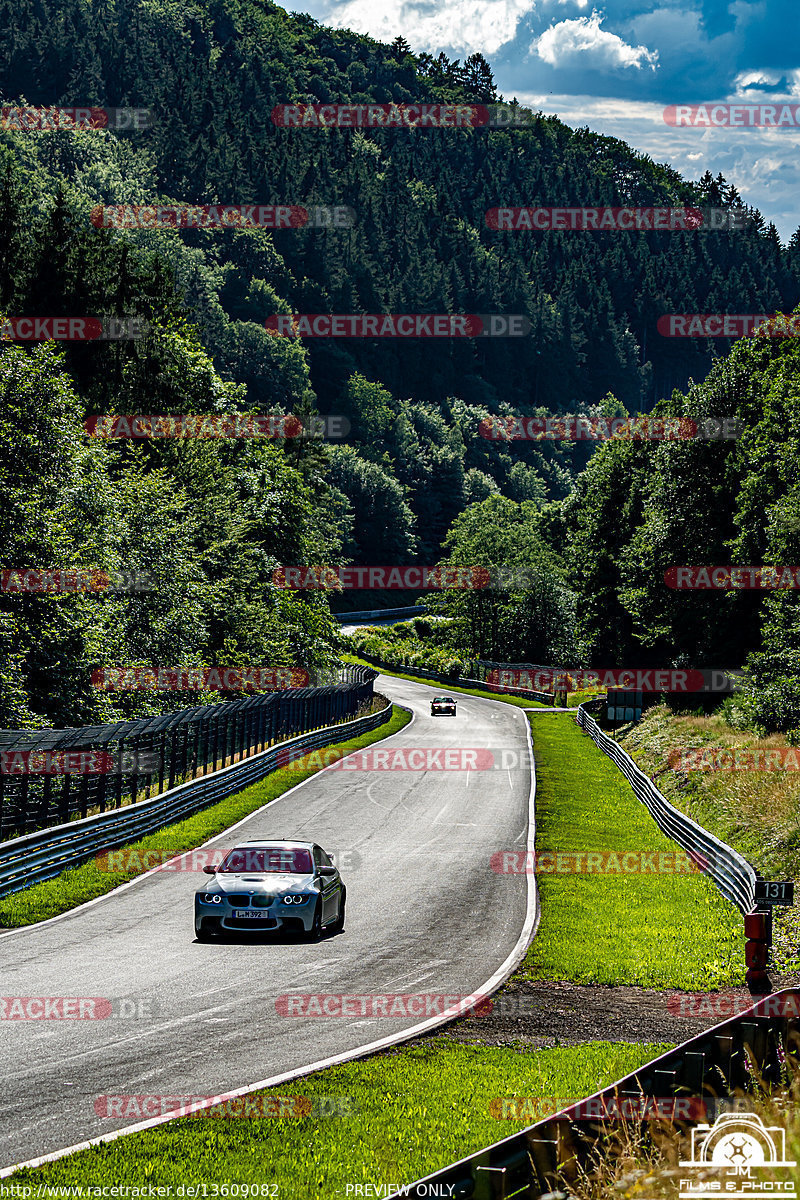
(425, 914)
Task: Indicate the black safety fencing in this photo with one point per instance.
(44, 854)
(53, 776)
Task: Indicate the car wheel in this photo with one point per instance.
(316, 928)
(203, 936)
(338, 924)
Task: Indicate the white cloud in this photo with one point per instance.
(463, 26)
(582, 43)
(753, 85)
(758, 162)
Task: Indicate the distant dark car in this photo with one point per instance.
(271, 886)
(443, 705)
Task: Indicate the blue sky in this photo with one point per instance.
(615, 67)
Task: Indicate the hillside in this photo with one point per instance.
(218, 517)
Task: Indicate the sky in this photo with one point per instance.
(616, 67)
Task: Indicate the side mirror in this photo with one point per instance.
(209, 870)
(327, 872)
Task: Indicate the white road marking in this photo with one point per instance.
(530, 925)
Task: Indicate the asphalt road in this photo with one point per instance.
(426, 914)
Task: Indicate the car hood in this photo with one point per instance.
(269, 885)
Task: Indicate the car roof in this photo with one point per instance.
(435, 698)
(271, 844)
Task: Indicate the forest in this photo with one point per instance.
(413, 478)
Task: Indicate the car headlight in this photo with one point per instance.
(295, 899)
(206, 899)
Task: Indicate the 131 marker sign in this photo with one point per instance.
(769, 892)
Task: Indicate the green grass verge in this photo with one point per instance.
(517, 701)
(406, 1113)
(86, 882)
(655, 929)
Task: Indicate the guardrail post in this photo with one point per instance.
(23, 802)
(84, 795)
(758, 931)
(183, 751)
(101, 792)
(162, 749)
(264, 723)
(172, 755)
(45, 805)
(63, 804)
(240, 722)
(207, 727)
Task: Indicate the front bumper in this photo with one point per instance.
(277, 916)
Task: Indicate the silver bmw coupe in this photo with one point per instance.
(271, 886)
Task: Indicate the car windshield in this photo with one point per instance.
(279, 859)
(444, 700)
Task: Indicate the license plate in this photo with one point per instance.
(251, 914)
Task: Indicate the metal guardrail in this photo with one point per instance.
(715, 1065)
(732, 874)
(344, 618)
(47, 852)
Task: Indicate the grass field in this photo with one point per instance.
(90, 880)
(404, 1113)
(656, 928)
(757, 810)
